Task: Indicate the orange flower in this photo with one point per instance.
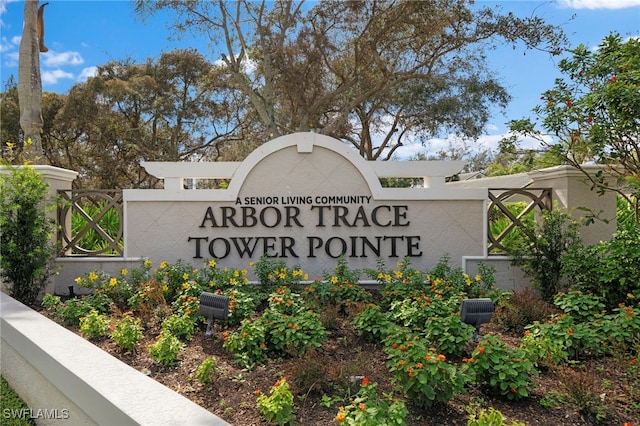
(419, 365)
(340, 417)
(480, 350)
(257, 392)
(633, 361)
(365, 381)
(362, 406)
(428, 357)
(441, 357)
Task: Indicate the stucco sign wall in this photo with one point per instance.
(306, 199)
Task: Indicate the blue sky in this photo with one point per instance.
(82, 34)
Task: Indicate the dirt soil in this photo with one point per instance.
(344, 355)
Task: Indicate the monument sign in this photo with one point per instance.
(307, 199)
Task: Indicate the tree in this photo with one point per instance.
(593, 115)
(163, 109)
(29, 82)
(375, 74)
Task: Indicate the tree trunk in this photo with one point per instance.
(30, 84)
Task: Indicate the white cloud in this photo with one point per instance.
(484, 142)
(56, 59)
(86, 73)
(10, 59)
(52, 77)
(599, 4)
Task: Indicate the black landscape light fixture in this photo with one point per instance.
(213, 306)
(476, 312)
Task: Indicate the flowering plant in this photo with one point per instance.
(503, 370)
(368, 409)
(424, 375)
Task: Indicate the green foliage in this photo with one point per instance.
(592, 113)
(206, 371)
(608, 269)
(543, 350)
(248, 344)
(10, 402)
(127, 332)
(502, 370)
(242, 304)
(368, 409)
(72, 310)
(171, 278)
(449, 335)
(273, 273)
(490, 417)
(424, 376)
(109, 223)
(180, 326)
(278, 406)
(541, 258)
(165, 349)
(286, 328)
(94, 325)
(50, 301)
(26, 252)
(499, 222)
(581, 306)
(372, 324)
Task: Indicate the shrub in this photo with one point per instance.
(127, 332)
(94, 325)
(165, 349)
(608, 269)
(449, 335)
(520, 309)
(541, 258)
(181, 326)
(278, 406)
(249, 344)
(72, 310)
(368, 409)
(27, 254)
(372, 324)
(502, 370)
(581, 306)
(424, 375)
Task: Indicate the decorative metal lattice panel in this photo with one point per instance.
(499, 199)
(90, 223)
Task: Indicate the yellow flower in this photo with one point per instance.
(124, 272)
(236, 273)
(333, 279)
(113, 282)
(398, 274)
(78, 280)
(185, 276)
(185, 286)
(252, 264)
(478, 278)
(306, 277)
(148, 263)
(212, 263)
(244, 272)
(163, 264)
(93, 276)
